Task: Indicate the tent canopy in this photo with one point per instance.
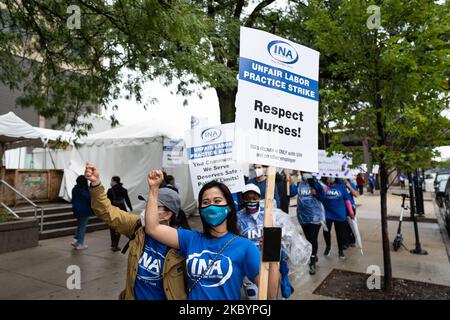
(129, 152)
(13, 129)
(138, 133)
(15, 133)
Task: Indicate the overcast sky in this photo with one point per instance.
(169, 106)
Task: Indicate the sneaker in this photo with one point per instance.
(115, 249)
(74, 243)
(81, 247)
(341, 255)
(312, 268)
(327, 252)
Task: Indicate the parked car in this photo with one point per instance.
(440, 183)
(447, 205)
(429, 181)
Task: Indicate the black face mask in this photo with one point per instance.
(251, 206)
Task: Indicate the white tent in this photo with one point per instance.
(42, 158)
(15, 132)
(128, 152)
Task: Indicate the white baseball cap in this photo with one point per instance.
(251, 187)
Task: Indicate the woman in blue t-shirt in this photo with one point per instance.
(218, 258)
(336, 201)
(310, 214)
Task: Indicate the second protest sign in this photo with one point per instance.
(209, 152)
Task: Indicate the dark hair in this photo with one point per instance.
(82, 182)
(231, 218)
(180, 221)
(169, 179)
(262, 165)
(116, 179)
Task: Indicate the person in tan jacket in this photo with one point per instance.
(155, 271)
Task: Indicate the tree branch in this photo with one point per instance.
(238, 9)
(256, 12)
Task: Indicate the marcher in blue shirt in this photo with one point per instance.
(81, 206)
(148, 282)
(251, 225)
(372, 183)
(336, 201)
(261, 182)
(310, 214)
(218, 258)
(250, 219)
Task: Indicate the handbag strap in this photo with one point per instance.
(212, 263)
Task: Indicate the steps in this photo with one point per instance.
(58, 220)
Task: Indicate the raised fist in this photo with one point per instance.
(91, 173)
(155, 178)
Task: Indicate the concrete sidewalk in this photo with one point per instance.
(40, 273)
(433, 268)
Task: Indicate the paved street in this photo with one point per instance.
(40, 273)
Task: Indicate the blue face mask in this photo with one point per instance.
(214, 215)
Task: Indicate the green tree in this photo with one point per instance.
(65, 72)
(225, 19)
(389, 84)
(192, 42)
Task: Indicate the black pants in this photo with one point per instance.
(341, 233)
(115, 237)
(311, 232)
(361, 189)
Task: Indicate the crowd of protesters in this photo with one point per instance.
(168, 260)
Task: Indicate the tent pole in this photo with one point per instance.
(2, 152)
(51, 158)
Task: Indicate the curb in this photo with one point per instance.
(442, 229)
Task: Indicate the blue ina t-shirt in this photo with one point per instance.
(250, 227)
(334, 202)
(309, 208)
(224, 280)
(149, 284)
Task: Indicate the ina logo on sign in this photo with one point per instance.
(282, 51)
(211, 134)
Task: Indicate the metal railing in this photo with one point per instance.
(35, 207)
(9, 209)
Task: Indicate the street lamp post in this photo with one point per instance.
(418, 249)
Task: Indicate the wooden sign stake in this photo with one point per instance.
(268, 222)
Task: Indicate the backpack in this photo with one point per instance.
(117, 202)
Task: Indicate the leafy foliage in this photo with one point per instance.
(65, 73)
(397, 74)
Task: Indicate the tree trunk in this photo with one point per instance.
(227, 99)
(384, 228)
